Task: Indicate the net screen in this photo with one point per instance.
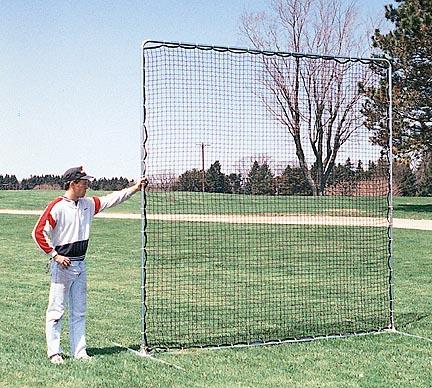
(266, 211)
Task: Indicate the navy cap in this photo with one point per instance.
(76, 173)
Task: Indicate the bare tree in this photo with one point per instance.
(317, 100)
(162, 182)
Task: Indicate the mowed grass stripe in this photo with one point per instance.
(211, 203)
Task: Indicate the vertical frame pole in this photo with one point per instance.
(144, 136)
(390, 196)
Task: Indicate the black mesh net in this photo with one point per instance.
(266, 211)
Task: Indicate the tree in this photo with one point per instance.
(349, 170)
(424, 176)
(216, 181)
(360, 172)
(44, 181)
(165, 181)
(190, 181)
(409, 45)
(235, 183)
(293, 182)
(313, 99)
(8, 182)
(372, 167)
(260, 180)
(344, 177)
(110, 184)
(404, 178)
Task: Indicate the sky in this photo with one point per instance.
(71, 75)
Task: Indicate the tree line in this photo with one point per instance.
(55, 182)
(345, 179)
(261, 180)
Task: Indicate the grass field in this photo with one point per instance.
(405, 207)
(216, 283)
(113, 317)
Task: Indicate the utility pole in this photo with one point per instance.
(203, 145)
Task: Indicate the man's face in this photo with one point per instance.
(80, 187)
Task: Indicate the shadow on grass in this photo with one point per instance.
(137, 348)
(404, 320)
(106, 351)
(413, 208)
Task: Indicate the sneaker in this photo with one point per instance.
(57, 359)
(84, 356)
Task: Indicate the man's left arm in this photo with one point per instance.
(117, 197)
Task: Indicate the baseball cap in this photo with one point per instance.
(75, 173)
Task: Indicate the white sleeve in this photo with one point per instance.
(113, 199)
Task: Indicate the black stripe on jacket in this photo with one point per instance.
(75, 249)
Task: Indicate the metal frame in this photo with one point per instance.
(382, 62)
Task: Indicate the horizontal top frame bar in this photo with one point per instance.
(155, 44)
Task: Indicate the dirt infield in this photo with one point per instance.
(243, 219)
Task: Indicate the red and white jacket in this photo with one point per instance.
(64, 226)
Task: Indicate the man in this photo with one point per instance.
(62, 232)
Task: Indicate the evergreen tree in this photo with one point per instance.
(235, 183)
(344, 177)
(190, 180)
(9, 182)
(360, 172)
(409, 45)
(293, 182)
(260, 180)
(424, 176)
(348, 173)
(216, 181)
(251, 178)
(371, 169)
(404, 178)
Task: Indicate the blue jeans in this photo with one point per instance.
(68, 286)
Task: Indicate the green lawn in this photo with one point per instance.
(198, 203)
(405, 207)
(413, 207)
(207, 280)
(113, 317)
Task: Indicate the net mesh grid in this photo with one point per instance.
(254, 265)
